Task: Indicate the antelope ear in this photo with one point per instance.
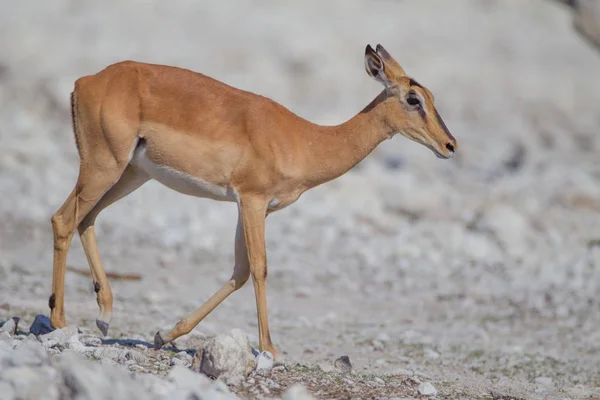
(375, 66)
(394, 68)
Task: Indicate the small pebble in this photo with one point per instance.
(10, 326)
(427, 389)
(543, 380)
(383, 337)
(378, 345)
(297, 392)
(343, 364)
(48, 344)
(264, 361)
(431, 354)
(325, 367)
(90, 340)
(265, 389)
(348, 381)
(177, 361)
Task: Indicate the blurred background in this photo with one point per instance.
(406, 261)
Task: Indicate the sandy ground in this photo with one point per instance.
(480, 274)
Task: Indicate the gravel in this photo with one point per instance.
(477, 274)
(29, 369)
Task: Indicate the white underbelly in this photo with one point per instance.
(178, 180)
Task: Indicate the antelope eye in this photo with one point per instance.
(413, 101)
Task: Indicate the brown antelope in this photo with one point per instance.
(134, 122)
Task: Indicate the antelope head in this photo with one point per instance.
(410, 110)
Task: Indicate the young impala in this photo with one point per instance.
(134, 122)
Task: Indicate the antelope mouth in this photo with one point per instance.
(440, 155)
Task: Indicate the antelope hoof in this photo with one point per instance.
(103, 326)
(158, 341)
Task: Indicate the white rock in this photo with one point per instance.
(73, 343)
(326, 367)
(221, 387)
(379, 381)
(297, 392)
(431, 354)
(183, 358)
(422, 374)
(10, 326)
(88, 380)
(108, 361)
(189, 384)
(303, 291)
(183, 355)
(161, 388)
(27, 354)
(378, 345)
(177, 361)
(48, 344)
(228, 357)
(543, 380)
(427, 389)
(383, 337)
(29, 383)
(133, 355)
(6, 391)
(509, 226)
(60, 335)
(5, 337)
(115, 353)
(185, 378)
(480, 247)
(112, 353)
(264, 361)
(403, 371)
(90, 340)
(7, 344)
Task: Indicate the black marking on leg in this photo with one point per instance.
(96, 287)
(52, 301)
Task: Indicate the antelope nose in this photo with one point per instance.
(450, 147)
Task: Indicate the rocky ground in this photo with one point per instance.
(478, 275)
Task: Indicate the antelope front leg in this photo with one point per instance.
(253, 211)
